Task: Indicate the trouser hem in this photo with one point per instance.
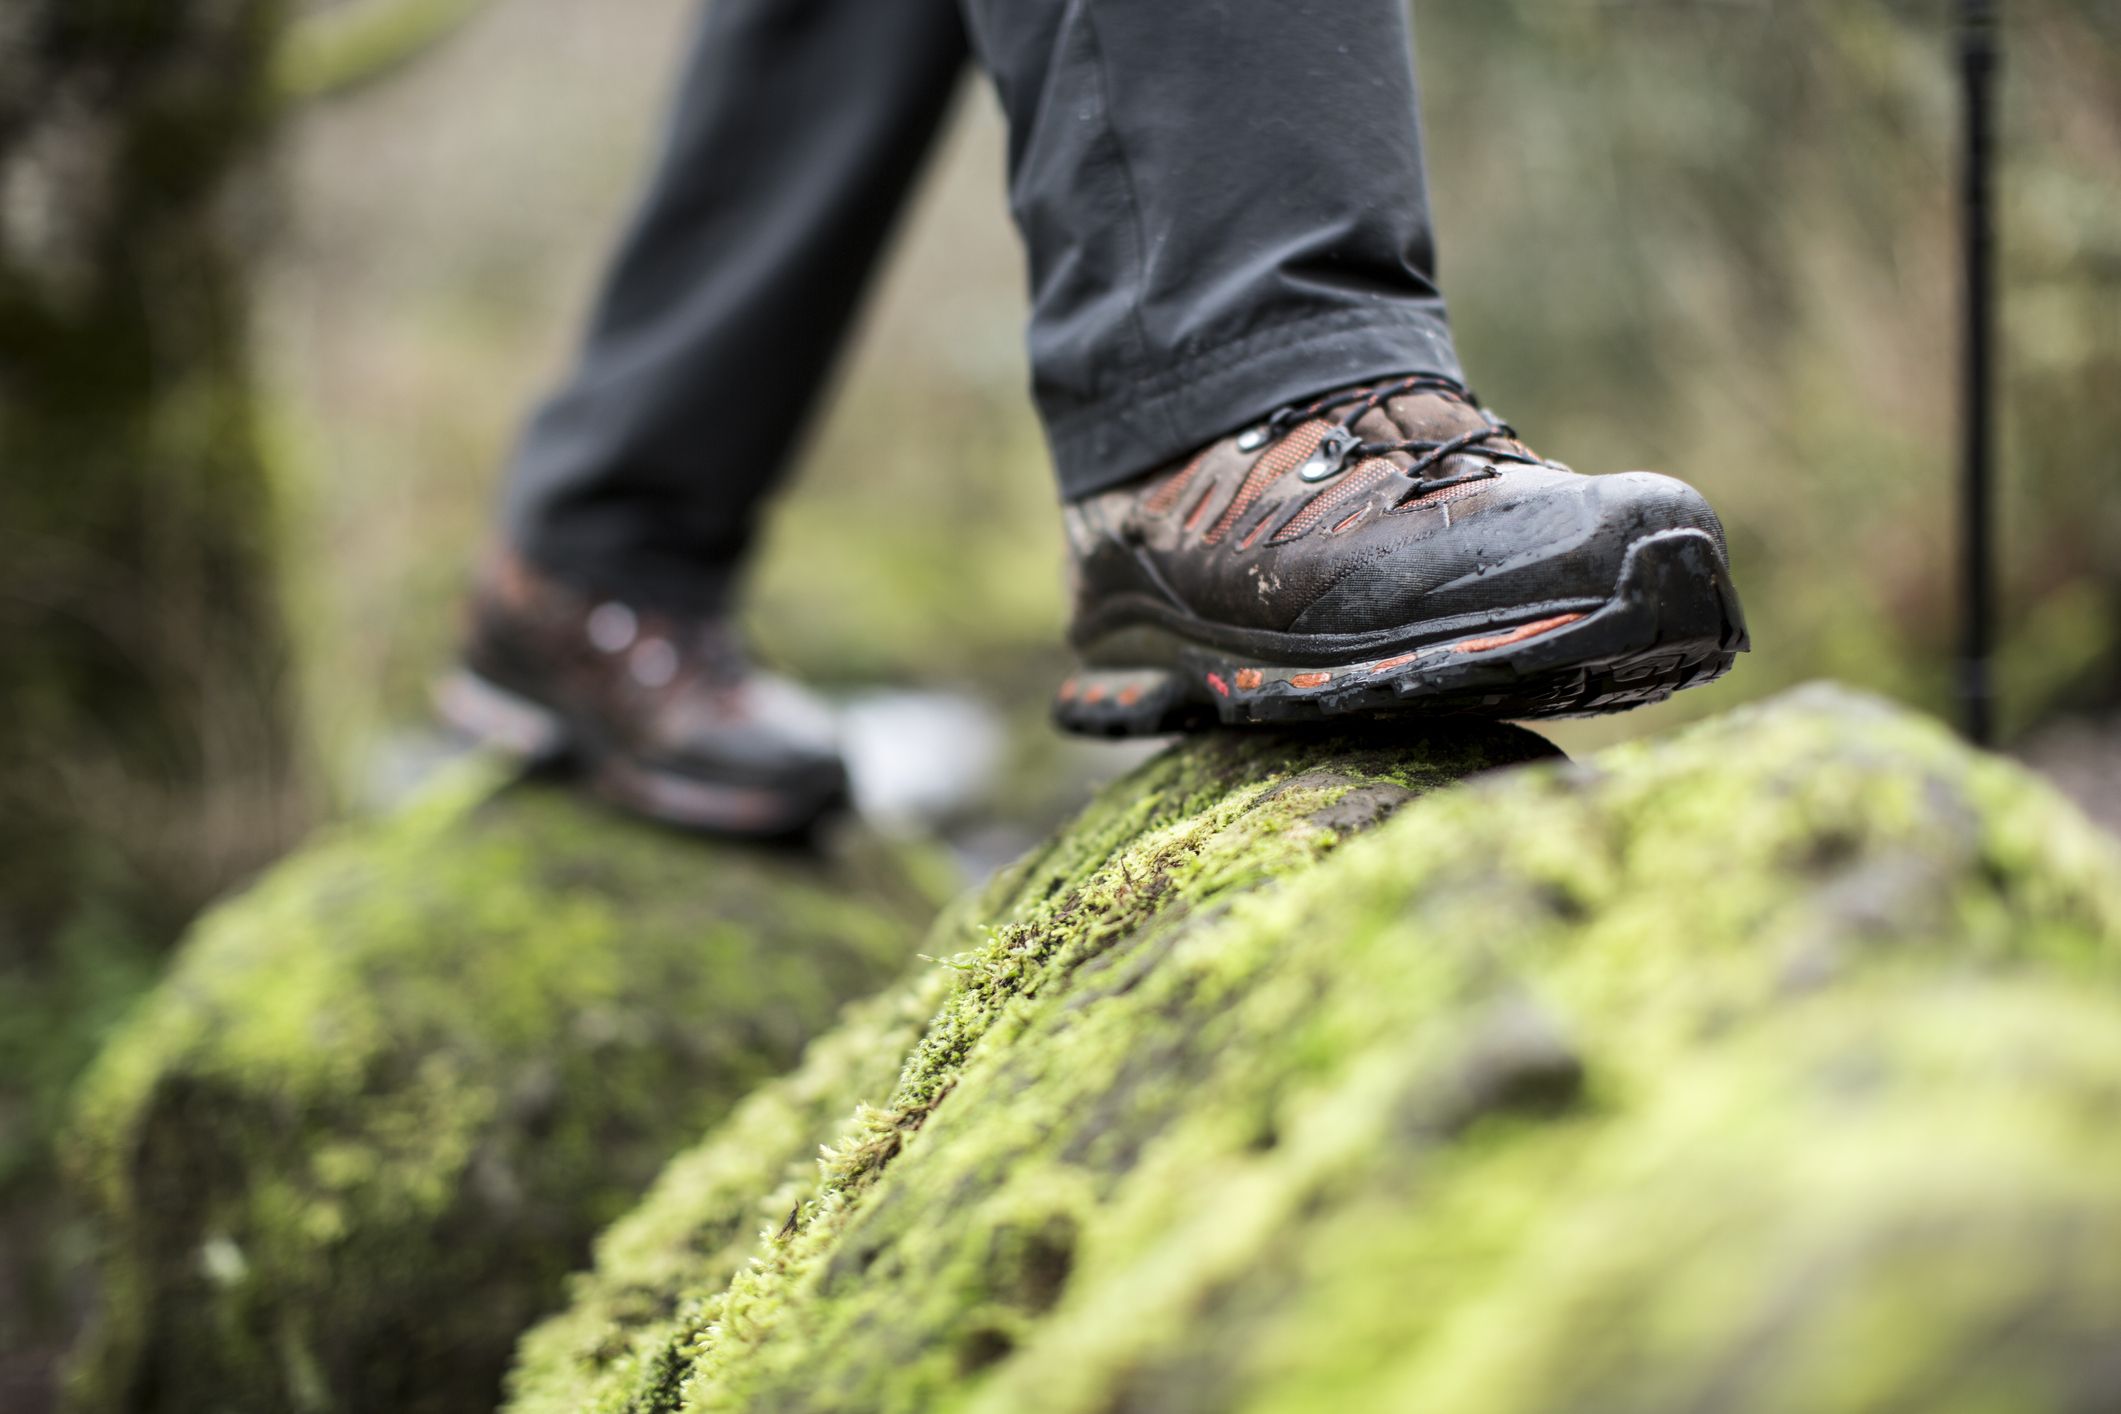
(1146, 425)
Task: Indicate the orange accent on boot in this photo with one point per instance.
(1249, 678)
(1353, 485)
(1129, 695)
(1390, 663)
(1277, 461)
(1516, 635)
(1444, 495)
(1199, 512)
(1164, 497)
(1310, 679)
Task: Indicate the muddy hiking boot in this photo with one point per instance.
(1389, 549)
(661, 713)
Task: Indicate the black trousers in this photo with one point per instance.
(1222, 202)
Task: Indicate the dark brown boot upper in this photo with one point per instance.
(1367, 514)
(667, 695)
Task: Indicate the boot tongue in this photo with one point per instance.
(1419, 417)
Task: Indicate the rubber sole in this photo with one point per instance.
(493, 716)
(1672, 622)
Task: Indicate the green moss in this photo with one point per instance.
(1173, 844)
(354, 1141)
(1765, 1068)
(707, 1213)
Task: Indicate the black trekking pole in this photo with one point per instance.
(1979, 52)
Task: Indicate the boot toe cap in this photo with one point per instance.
(1633, 504)
(1550, 541)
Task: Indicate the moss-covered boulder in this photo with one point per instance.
(1155, 856)
(355, 1140)
(1775, 1067)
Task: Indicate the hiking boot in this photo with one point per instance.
(1389, 549)
(661, 712)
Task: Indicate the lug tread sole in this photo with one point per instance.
(1673, 622)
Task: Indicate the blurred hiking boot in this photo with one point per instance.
(662, 713)
(1389, 549)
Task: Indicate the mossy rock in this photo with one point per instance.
(1774, 1067)
(354, 1141)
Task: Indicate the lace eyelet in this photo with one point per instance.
(1331, 458)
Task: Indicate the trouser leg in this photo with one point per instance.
(1224, 207)
(798, 128)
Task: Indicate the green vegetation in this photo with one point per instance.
(1768, 1068)
(1172, 844)
(383, 1099)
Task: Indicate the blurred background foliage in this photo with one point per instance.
(250, 428)
(1709, 236)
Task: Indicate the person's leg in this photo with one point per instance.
(599, 631)
(1282, 502)
(798, 128)
(1224, 208)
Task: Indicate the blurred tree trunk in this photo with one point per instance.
(144, 730)
(147, 752)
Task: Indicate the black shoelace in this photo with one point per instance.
(1341, 447)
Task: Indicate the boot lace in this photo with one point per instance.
(1342, 447)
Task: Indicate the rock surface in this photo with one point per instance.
(352, 1144)
(1776, 1066)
